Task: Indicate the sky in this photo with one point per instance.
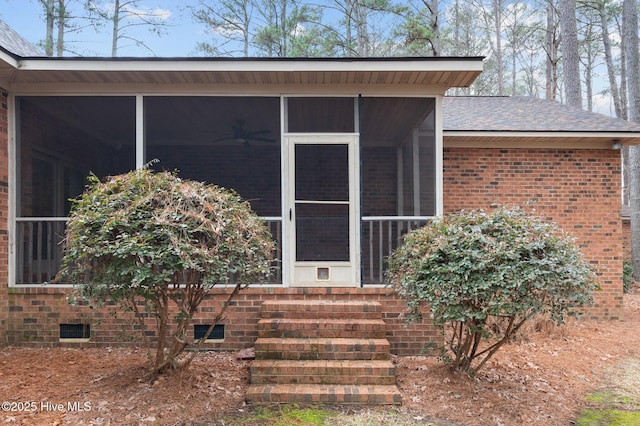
(27, 19)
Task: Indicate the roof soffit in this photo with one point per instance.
(450, 72)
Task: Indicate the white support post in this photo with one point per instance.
(140, 133)
(416, 172)
(439, 158)
(400, 187)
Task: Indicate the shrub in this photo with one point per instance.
(157, 239)
(484, 274)
(627, 276)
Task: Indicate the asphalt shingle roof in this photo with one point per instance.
(15, 43)
(524, 114)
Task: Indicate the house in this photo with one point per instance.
(340, 156)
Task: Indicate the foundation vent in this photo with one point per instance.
(75, 331)
(199, 331)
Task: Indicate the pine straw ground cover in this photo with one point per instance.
(546, 378)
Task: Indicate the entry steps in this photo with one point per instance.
(331, 352)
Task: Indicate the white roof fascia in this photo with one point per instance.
(539, 140)
(547, 134)
(189, 64)
(9, 60)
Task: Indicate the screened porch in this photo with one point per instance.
(243, 143)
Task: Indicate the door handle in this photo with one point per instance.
(290, 214)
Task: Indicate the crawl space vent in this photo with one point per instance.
(200, 330)
(75, 331)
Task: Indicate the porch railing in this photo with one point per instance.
(380, 236)
(39, 250)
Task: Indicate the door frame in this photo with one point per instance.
(306, 273)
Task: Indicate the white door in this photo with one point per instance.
(323, 212)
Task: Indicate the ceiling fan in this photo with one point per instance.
(243, 136)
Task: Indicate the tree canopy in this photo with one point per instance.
(526, 53)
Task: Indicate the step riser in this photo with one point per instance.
(321, 315)
(313, 309)
(321, 333)
(313, 356)
(323, 372)
(324, 395)
(335, 349)
(288, 328)
(259, 378)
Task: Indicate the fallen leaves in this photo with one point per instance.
(540, 380)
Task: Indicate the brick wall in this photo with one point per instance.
(4, 208)
(578, 189)
(37, 312)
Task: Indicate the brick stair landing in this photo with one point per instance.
(322, 352)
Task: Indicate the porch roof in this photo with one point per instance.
(526, 122)
(437, 74)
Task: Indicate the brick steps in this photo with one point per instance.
(323, 372)
(324, 394)
(322, 348)
(322, 352)
(320, 309)
(345, 328)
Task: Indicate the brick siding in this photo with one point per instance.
(577, 189)
(4, 208)
(37, 312)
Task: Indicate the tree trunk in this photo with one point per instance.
(362, 34)
(630, 37)
(62, 15)
(246, 19)
(571, 58)
(497, 15)
(588, 63)
(611, 71)
(115, 30)
(49, 12)
(552, 42)
(283, 30)
(435, 27)
(514, 73)
(624, 103)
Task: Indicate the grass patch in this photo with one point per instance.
(608, 418)
(382, 417)
(617, 403)
(609, 398)
(287, 415)
(294, 415)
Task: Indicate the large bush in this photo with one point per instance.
(155, 242)
(483, 275)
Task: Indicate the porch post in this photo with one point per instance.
(439, 198)
(400, 187)
(416, 171)
(140, 134)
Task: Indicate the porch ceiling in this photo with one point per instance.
(437, 72)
